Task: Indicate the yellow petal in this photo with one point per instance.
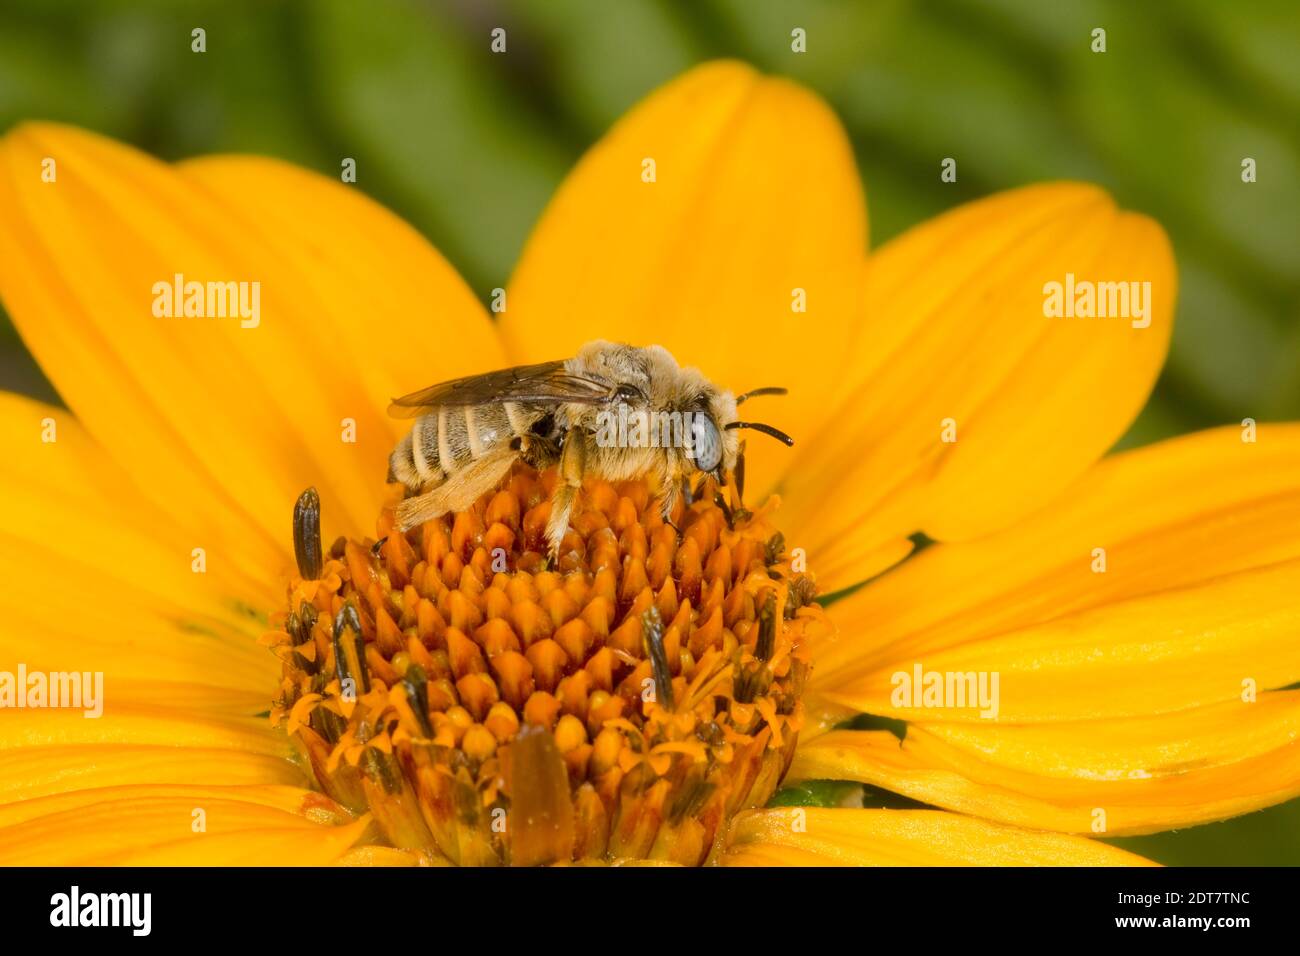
(817, 836)
(755, 195)
(174, 715)
(65, 495)
(264, 846)
(226, 420)
(243, 800)
(157, 826)
(98, 579)
(29, 772)
(399, 317)
(148, 733)
(965, 407)
(122, 788)
(1117, 777)
(99, 583)
(1202, 563)
(383, 856)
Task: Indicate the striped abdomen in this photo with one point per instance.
(450, 437)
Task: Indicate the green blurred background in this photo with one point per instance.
(468, 145)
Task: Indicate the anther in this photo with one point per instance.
(381, 768)
(766, 629)
(801, 591)
(348, 618)
(652, 633)
(306, 618)
(300, 625)
(415, 682)
(774, 548)
(306, 535)
(725, 508)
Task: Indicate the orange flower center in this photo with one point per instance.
(488, 709)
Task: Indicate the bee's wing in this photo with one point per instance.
(546, 383)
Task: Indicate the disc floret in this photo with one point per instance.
(490, 706)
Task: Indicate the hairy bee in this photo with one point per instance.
(613, 411)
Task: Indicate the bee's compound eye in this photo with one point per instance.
(706, 442)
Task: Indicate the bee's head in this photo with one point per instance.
(715, 431)
(713, 448)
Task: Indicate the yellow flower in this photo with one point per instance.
(147, 530)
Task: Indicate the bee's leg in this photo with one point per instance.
(672, 491)
(573, 460)
(459, 491)
(738, 474)
(720, 500)
(537, 452)
(739, 512)
(688, 496)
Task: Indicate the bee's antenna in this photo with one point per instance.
(766, 390)
(760, 427)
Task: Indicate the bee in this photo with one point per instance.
(612, 411)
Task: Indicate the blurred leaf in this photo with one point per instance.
(244, 94)
(1174, 140)
(435, 127)
(592, 72)
(135, 77)
(1268, 838)
(18, 370)
(919, 82)
(932, 94)
(818, 793)
(1057, 27)
(1227, 347)
(835, 34)
(38, 78)
(1258, 43)
(902, 192)
(1284, 401)
(1159, 419)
